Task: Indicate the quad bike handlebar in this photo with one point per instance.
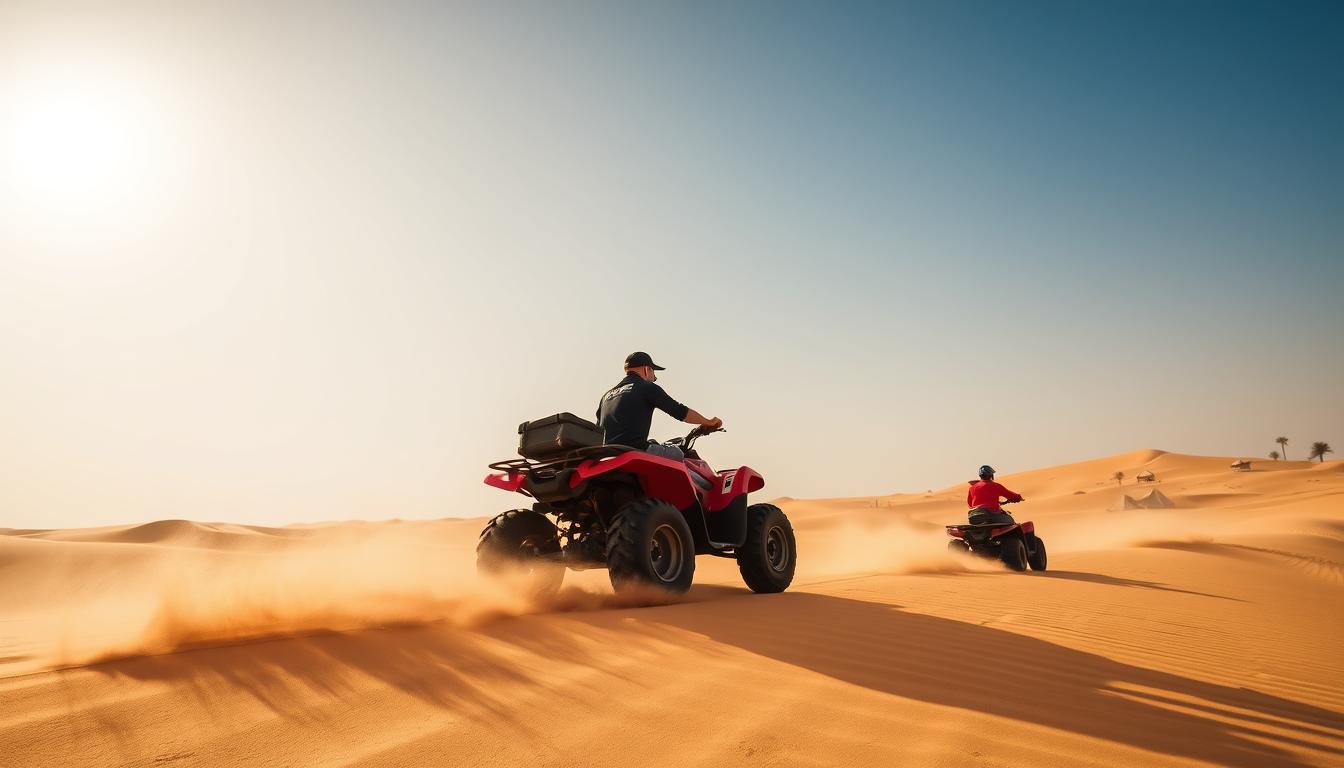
(695, 434)
(699, 432)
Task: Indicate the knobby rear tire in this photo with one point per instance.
(650, 544)
(1036, 557)
(512, 545)
(1013, 553)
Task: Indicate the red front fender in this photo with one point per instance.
(734, 483)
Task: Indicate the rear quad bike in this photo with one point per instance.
(1015, 543)
(641, 516)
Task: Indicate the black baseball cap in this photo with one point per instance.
(641, 359)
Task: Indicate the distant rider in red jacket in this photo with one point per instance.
(983, 499)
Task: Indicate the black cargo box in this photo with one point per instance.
(554, 436)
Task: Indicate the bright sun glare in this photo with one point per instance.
(85, 150)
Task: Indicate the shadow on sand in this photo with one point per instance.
(876, 646)
(448, 666)
(1114, 581)
(957, 664)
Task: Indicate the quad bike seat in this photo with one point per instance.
(986, 517)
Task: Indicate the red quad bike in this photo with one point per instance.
(641, 516)
(1016, 544)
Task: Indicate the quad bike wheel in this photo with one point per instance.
(649, 543)
(1013, 553)
(514, 545)
(957, 547)
(769, 556)
(1036, 553)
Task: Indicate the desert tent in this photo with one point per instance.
(1156, 500)
(1145, 476)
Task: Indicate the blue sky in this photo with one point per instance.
(333, 253)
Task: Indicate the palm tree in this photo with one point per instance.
(1274, 455)
(1118, 477)
(1318, 451)
(1283, 443)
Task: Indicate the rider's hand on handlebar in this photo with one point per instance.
(714, 423)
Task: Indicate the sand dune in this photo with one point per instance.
(1207, 634)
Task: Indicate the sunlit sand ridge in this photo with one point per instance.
(1203, 634)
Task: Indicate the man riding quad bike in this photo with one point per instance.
(992, 532)
(641, 512)
(625, 412)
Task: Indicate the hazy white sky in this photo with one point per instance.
(290, 262)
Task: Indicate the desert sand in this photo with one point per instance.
(1207, 634)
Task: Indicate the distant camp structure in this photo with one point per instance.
(1154, 500)
(1145, 476)
(1241, 465)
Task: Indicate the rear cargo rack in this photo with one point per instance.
(973, 525)
(510, 465)
(580, 454)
